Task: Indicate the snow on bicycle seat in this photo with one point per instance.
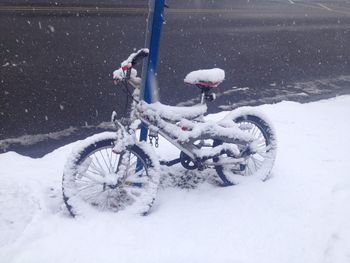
(174, 113)
(206, 77)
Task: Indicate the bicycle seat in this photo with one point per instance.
(174, 113)
(210, 78)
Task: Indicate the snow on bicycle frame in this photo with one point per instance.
(186, 123)
(185, 126)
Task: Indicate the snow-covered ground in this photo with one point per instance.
(302, 214)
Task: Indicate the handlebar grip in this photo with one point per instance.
(132, 60)
(141, 54)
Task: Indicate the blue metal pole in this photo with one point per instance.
(149, 91)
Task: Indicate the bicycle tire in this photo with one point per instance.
(105, 189)
(264, 159)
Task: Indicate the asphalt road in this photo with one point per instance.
(56, 59)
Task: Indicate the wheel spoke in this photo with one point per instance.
(99, 164)
(97, 169)
(104, 160)
(85, 187)
(78, 194)
(94, 172)
(110, 161)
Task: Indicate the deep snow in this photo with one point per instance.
(302, 214)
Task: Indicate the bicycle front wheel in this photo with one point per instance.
(97, 178)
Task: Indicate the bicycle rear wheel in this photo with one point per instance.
(261, 161)
(97, 178)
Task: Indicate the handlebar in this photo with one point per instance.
(134, 58)
(130, 62)
(124, 72)
(141, 54)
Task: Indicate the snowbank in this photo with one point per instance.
(300, 215)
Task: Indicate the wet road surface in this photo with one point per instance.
(56, 60)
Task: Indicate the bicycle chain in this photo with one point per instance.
(156, 137)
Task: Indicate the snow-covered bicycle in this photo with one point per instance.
(114, 170)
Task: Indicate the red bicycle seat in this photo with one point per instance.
(206, 77)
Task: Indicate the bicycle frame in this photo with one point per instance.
(191, 145)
